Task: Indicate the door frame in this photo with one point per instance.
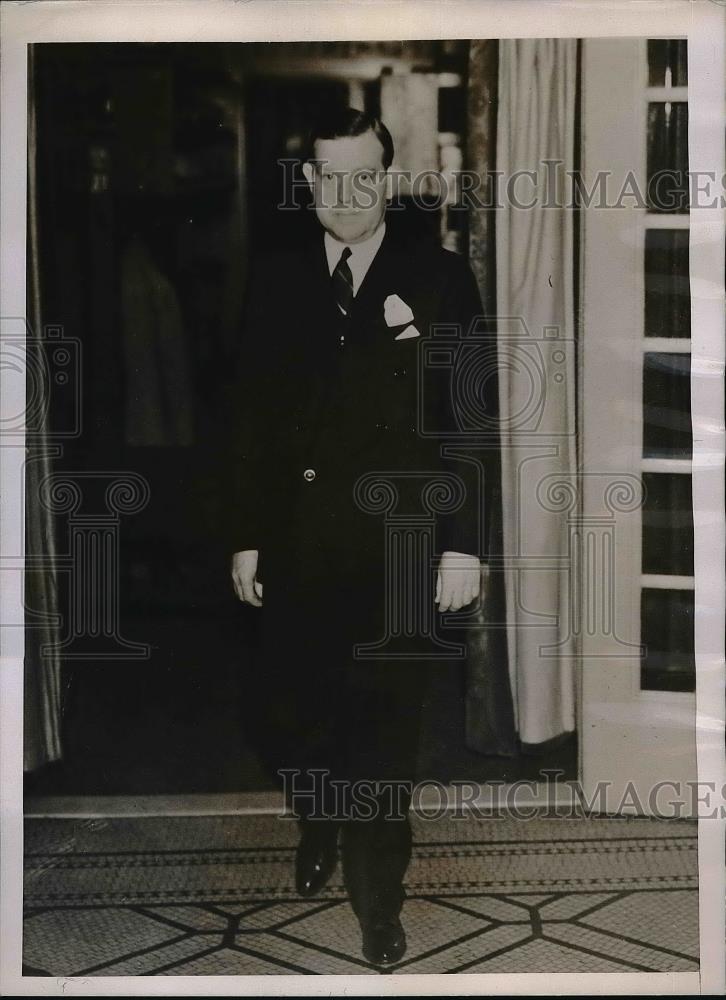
(638, 743)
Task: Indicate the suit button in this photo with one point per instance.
(309, 475)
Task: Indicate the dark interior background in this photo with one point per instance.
(156, 168)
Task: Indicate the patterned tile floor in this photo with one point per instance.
(214, 896)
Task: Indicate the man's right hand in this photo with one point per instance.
(244, 576)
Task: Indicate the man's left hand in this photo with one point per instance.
(458, 581)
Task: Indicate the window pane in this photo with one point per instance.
(667, 286)
(667, 405)
(667, 636)
(667, 524)
(668, 157)
(667, 56)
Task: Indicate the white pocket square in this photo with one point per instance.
(406, 334)
(396, 311)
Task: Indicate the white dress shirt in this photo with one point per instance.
(361, 254)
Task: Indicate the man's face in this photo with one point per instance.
(348, 181)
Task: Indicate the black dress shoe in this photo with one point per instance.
(317, 856)
(384, 941)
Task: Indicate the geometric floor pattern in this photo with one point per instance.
(213, 895)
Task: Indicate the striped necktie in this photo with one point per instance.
(343, 282)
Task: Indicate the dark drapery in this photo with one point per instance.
(42, 688)
(490, 726)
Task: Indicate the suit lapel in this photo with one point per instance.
(320, 288)
(384, 276)
(318, 330)
(376, 284)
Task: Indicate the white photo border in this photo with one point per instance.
(703, 22)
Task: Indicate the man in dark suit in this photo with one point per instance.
(333, 415)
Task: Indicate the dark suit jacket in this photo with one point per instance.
(346, 408)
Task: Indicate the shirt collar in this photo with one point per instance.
(363, 252)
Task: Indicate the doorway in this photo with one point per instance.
(190, 180)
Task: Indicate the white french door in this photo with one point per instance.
(637, 585)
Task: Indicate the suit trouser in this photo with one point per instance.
(343, 735)
(371, 750)
(325, 710)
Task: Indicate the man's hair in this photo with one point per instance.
(343, 123)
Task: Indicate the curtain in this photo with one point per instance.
(535, 283)
(42, 687)
(489, 711)
(42, 691)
